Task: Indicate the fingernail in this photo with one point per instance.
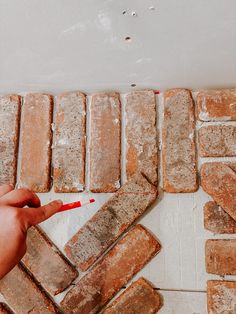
(59, 202)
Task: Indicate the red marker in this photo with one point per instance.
(75, 205)
(157, 92)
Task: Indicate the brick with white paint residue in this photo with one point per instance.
(105, 145)
(9, 133)
(141, 134)
(35, 146)
(69, 142)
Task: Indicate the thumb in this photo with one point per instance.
(35, 216)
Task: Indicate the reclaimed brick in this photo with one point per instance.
(69, 142)
(141, 134)
(221, 256)
(217, 220)
(35, 147)
(111, 273)
(9, 132)
(110, 221)
(105, 144)
(23, 295)
(221, 297)
(217, 141)
(179, 156)
(216, 105)
(4, 309)
(46, 263)
(139, 297)
(219, 181)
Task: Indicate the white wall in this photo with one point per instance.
(55, 45)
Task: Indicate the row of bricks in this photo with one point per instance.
(219, 181)
(140, 297)
(97, 287)
(47, 264)
(69, 144)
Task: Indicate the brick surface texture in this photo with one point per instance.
(108, 276)
(105, 144)
(110, 221)
(219, 181)
(221, 256)
(35, 148)
(141, 134)
(140, 297)
(179, 156)
(216, 105)
(217, 220)
(217, 141)
(69, 142)
(23, 295)
(46, 263)
(221, 297)
(9, 131)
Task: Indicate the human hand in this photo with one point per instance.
(15, 220)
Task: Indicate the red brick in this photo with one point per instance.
(219, 181)
(108, 276)
(216, 105)
(23, 295)
(139, 297)
(141, 134)
(46, 263)
(105, 146)
(69, 142)
(110, 221)
(217, 141)
(179, 156)
(35, 147)
(221, 257)
(217, 220)
(221, 297)
(4, 309)
(9, 131)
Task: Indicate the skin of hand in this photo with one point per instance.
(16, 219)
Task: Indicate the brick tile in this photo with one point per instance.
(217, 220)
(69, 142)
(221, 257)
(221, 297)
(179, 156)
(216, 105)
(217, 141)
(105, 146)
(9, 131)
(4, 309)
(139, 297)
(110, 221)
(219, 181)
(23, 295)
(46, 263)
(141, 134)
(108, 276)
(35, 147)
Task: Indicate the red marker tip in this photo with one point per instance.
(92, 200)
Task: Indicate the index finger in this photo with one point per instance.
(35, 216)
